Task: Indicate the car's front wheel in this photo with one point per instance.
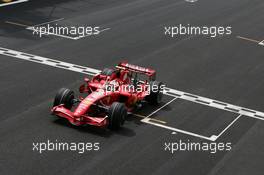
(116, 115)
(64, 96)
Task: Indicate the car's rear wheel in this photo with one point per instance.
(116, 115)
(107, 72)
(156, 94)
(64, 96)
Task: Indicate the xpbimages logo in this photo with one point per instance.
(63, 30)
(80, 147)
(114, 86)
(211, 31)
(211, 147)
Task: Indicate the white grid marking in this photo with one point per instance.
(261, 43)
(168, 91)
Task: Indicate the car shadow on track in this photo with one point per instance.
(102, 132)
(123, 131)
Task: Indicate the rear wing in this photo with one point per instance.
(134, 68)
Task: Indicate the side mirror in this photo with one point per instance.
(82, 88)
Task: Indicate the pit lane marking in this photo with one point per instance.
(12, 3)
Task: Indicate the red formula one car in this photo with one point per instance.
(111, 95)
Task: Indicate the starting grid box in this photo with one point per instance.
(195, 115)
(193, 119)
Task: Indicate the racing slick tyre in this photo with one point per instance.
(156, 94)
(107, 72)
(64, 96)
(116, 114)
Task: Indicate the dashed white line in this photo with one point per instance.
(215, 103)
(48, 61)
(168, 91)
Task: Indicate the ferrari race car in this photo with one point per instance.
(109, 96)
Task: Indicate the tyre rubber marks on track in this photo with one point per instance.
(241, 111)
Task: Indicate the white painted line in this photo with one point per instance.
(163, 106)
(54, 34)
(248, 39)
(80, 37)
(170, 92)
(219, 135)
(191, 1)
(37, 31)
(15, 23)
(153, 119)
(175, 130)
(147, 120)
(252, 40)
(215, 103)
(49, 62)
(261, 43)
(63, 36)
(12, 3)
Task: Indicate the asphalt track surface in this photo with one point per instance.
(224, 68)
